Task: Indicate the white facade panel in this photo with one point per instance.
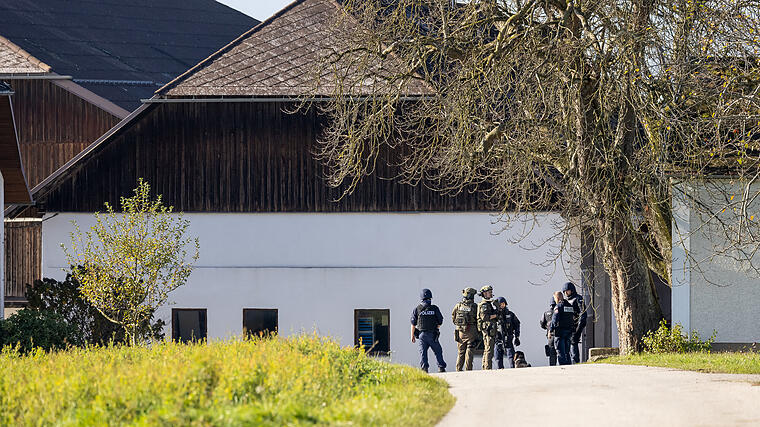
(316, 269)
(713, 280)
(681, 280)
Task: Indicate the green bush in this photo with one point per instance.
(673, 340)
(277, 381)
(65, 299)
(28, 329)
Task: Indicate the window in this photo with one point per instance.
(259, 321)
(372, 328)
(188, 324)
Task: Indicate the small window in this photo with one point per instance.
(372, 329)
(259, 321)
(188, 324)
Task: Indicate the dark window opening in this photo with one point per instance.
(259, 321)
(372, 330)
(188, 324)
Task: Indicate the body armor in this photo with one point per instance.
(465, 314)
(426, 319)
(486, 325)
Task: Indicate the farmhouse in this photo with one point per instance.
(76, 72)
(279, 248)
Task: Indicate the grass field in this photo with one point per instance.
(730, 363)
(295, 381)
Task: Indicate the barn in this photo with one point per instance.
(76, 71)
(279, 248)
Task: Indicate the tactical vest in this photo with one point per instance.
(580, 305)
(485, 324)
(566, 316)
(426, 318)
(466, 314)
(506, 327)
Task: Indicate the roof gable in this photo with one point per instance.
(276, 59)
(121, 50)
(14, 60)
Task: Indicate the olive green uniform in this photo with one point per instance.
(466, 334)
(487, 327)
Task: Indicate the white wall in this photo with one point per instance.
(713, 288)
(317, 268)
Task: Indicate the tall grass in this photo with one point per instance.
(301, 380)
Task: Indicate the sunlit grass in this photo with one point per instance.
(730, 363)
(301, 380)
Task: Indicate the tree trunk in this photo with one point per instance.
(634, 298)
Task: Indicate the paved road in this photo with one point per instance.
(606, 395)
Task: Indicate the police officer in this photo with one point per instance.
(487, 324)
(576, 300)
(546, 323)
(562, 327)
(466, 335)
(426, 322)
(507, 333)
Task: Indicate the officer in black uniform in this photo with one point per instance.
(507, 334)
(579, 306)
(546, 323)
(562, 327)
(426, 321)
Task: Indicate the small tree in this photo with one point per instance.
(131, 260)
(65, 299)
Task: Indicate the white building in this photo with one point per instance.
(280, 249)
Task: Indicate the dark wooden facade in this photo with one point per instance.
(230, 157)
(23, 257)
(53, 126)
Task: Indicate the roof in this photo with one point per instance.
(120, 50)
(14, 181)
(14, 60)
(276, 59)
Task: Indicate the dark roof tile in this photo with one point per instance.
(117, 40)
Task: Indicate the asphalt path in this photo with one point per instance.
(602, 395)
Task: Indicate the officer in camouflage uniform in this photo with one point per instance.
(466, 334)
(487, 324)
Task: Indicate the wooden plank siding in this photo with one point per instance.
(23, 257)
(231, 157)
(53, 126)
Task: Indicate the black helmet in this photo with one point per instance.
(568, 286)
(426, 294)
(552, 303)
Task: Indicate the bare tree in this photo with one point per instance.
(587, 107)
